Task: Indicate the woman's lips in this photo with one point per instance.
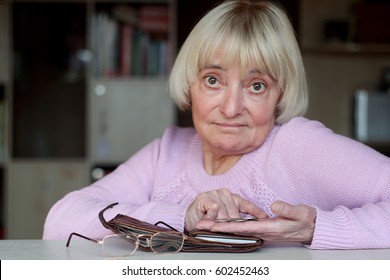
(230, 125)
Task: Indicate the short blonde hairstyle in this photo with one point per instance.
(256, 33)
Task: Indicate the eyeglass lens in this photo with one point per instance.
(170, 242)
(119, 245)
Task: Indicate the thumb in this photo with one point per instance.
(283, 209)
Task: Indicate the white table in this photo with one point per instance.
(85, 250)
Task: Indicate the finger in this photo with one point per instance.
(247, 207)
(229, 205)
(249, 227)
(235, 205)
(210, 208)
(284, 209)
(302, 214)
(205, 224)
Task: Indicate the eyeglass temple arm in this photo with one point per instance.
(101, 217)
(106, 225)
(165, 224)
(79, 235)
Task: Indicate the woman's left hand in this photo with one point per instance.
(293, 223)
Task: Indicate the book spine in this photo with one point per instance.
(125, 47)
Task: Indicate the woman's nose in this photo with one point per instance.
(232, 102)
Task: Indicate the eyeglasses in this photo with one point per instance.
(121, 245)
(125, 244)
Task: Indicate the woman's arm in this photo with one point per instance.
(132, 185)
(338, 183)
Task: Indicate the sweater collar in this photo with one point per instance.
(231, 179)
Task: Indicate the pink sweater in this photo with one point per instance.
(301, 162)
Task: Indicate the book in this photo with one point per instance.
(129, 41)
(125, 14)
(126, 45)
(154, 18)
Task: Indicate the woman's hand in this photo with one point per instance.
(219, 204)
(293, 223)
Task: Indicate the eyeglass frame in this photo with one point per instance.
(148, 237)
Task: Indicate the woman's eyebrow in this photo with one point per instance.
(213, 66)
(257, 71)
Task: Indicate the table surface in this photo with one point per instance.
(85, 250)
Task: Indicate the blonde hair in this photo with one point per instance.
(256, 33)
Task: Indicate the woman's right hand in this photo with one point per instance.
(219, 204)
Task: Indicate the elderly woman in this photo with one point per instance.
(252, 153)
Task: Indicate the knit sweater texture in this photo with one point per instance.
(301, 162)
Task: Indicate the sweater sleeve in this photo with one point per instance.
(362, 226)
(131, 185)
(347, 182)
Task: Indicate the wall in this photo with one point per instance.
(337, 68)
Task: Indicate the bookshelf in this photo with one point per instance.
(128, 77)
(131, 40)
(2, 148)
(345, 48)
(76, 100)
(4, 81)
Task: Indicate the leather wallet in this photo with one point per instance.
(194, 241)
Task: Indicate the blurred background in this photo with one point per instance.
(83, 86)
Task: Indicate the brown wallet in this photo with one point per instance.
(194, 241)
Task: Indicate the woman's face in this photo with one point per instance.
(233, 112)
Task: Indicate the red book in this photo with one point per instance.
(154, 19)
(126, 37)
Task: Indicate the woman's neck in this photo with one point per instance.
(216, 164)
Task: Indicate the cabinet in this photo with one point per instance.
(75, 102)
(4, 81)
(3, 43)
(129, 104)
(338, 60)
(48, 80)
(124, 116)
(33, 187)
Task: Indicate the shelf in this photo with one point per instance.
(115, 107)
(348, 49)
(134, 1)
(2, 202)
(49, 80)
(132, 39)
(51, 99)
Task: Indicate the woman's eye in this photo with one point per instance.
(212, 81)
(257, 88)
